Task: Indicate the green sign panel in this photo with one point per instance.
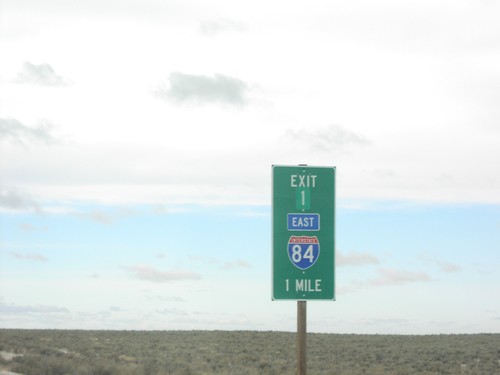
(303, 233)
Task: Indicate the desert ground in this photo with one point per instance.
(59, 352)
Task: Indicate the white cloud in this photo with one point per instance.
(13, 199)
(237, 264)
(117, 309)
(11, 309)
(170, 299)
(173, 311)
(40, 74)
(13, 130)
(330, 138)
(218, 88)
(148, 273)
(355, 259)
(95, 215)
(443, 265)
(213, 27)
(32, 256)
(383, 277)
(448, 267)
(100, 216)
(391, 276)
(26, 227)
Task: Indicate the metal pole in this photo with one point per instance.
(301, 337)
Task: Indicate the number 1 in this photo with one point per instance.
(303, 199)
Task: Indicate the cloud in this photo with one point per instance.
(148, 273)
(386, 277)
(167, 298)
(237, 264)
(32, 256)
(385, 321)
(95, 215)
(332, 137)
(12, 199)
(217, 26)
(7, 309)
(173, 311)
(204, 89)
(41, 74)
(202, 259)
(102, 216)
(355, 259)
(444, 266)
(116, 309)
(448, 267)
(26, 227)
(16, 131)
(390, 276)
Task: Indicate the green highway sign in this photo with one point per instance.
(303, 233)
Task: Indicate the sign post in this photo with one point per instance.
(301, 337)
(303, 241)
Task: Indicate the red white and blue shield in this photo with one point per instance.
(303, 251)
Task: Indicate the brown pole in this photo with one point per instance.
(301, 337)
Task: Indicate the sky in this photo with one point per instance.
(137, 139)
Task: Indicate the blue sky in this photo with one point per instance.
(136, 145)
(400, 269)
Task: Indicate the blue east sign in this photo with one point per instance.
(301, 221)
